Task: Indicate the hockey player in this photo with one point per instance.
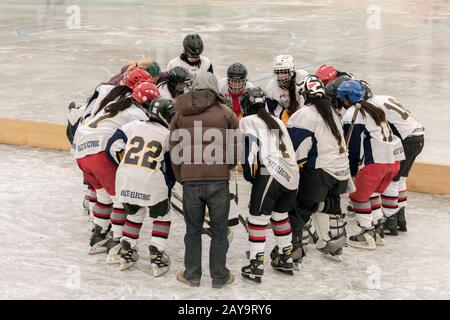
(177, 83)
(283, 98)
(327, 73)
(411, 132)
(269, 164)
(233, 86)
(371, 143)
(78, 116)
(192, 58)
(125, 87)
(321, 154)
(144, 180)
(331, 92)
(90, 143)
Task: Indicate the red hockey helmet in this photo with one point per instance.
(134, 76)
(326, 73)
(145, 92)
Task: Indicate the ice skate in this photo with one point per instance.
(128, 256)
(255, 270)
(112, 250)
(283, 261)
(364, 240)
(335, 256)
(159, 261)
(401, 220)
(98, 241)
(390, 226)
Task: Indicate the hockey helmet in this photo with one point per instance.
(252, 100)
(236, 77)
(353, 90)
(283, 68)
(326, 73)
(161, 110)
(145, 92)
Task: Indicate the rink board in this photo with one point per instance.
(424, 177)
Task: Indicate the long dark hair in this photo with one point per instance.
(293, 103)
(325, 108)
(116, 93)
(377, 115)
(271, 123)
(118, 106)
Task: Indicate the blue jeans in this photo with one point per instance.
(216, 196)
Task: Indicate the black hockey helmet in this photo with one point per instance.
(368, 90)
(252, 100)
(331, 90)
(179, 79)
(193, 44)
(161, 110)
(237, 76)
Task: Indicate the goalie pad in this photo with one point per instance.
(330, 230)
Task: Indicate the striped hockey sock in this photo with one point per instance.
(257, 234)
(118, 217)
(133, 225)
(375, 204)
(363, 211)
(160, 232)
(281, 229)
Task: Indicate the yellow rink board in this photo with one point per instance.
(424, 177)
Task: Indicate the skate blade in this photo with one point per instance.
(126, 265)
(289, 272)
(99, 247)
(256, 279)
(113, 259)
(297, 266)
(159, 271)
(247, 254)
(361, 245)
(379, 242)
(337, 258)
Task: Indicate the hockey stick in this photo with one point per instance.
(180, 212)
(350, 131)
(231, 222)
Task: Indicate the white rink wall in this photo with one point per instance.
(400, 47)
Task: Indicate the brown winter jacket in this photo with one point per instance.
(204, 106)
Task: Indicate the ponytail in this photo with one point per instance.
(293, 103)
(117, 92)
(376, 113)
(325, 109)
(118, 106)
(270, 121)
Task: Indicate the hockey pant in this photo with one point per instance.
(371, 180)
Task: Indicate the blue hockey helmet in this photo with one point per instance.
(352, 89)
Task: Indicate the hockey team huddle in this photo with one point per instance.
(302, 142)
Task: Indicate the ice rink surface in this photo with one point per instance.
(45, 243)
(401, 47)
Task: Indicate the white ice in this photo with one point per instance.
(401, 47)
(45, 242)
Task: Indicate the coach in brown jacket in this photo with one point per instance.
(203, 150)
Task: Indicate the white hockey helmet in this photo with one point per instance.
(312, 86)
(283, 68)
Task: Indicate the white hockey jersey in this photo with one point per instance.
(233, 101)
(103, 91)
(93, 135)
(402, 122)
(144, 176)
(370, 142)
(205, 65)
(315, 145)
(263, 147)
(278, 98)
